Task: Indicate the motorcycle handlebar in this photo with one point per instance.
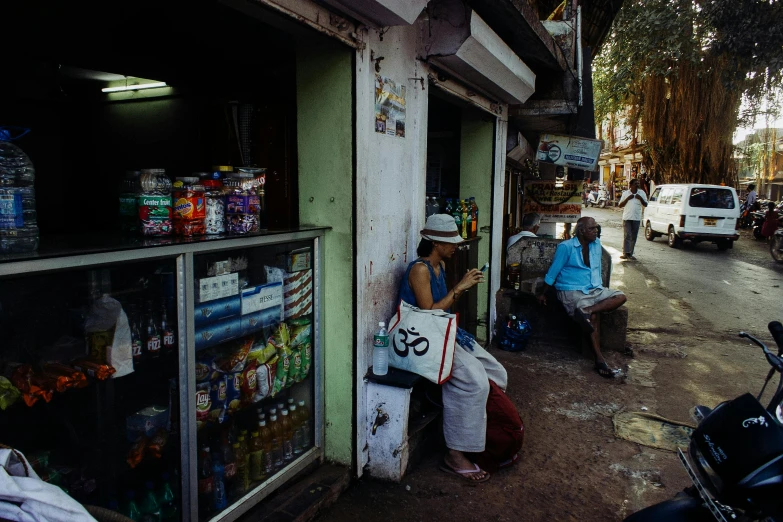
(774, 361)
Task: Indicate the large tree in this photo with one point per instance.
(679, 70)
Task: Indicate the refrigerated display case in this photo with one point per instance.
(203, 338)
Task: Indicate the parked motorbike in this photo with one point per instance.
(734, 458)
(758, 223)
(776, 246)
(597, 199)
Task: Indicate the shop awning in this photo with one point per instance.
(463, 45)
(381, 13)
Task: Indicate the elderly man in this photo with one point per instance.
(634, 201)
(576, 275)
(530, 223)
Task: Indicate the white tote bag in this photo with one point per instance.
(422, 342)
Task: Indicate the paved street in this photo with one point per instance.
(685, 309)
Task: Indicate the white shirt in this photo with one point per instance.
(633, 209)
(516, 237)
(752, 197)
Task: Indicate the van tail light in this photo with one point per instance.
(736, 224)
(682, 220)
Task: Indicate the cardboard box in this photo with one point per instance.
(298, 294)
(218, 332)
(212, 311)
(256, 321)
(262, 297)
(296, 260)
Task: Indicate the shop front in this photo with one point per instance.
(166, 343)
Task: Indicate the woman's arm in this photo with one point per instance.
(419, 279)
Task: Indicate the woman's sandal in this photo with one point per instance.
(464, 474)
(602, 369)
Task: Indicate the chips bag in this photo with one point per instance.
(234, 360)
(281, 374)
(234, 391)
(261, 352)
(265, 379)
(218, 390)
(249, 383)
(307, 358)
(203, 403)
(300, 331)
(294, 368)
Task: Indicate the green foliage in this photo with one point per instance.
(680, 69)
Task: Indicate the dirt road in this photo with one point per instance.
(685, 308)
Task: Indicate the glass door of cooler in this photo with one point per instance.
(89, 386)
(255, 328)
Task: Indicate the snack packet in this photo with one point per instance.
(234, 392)
(300, 331)
(234, 360)
(65, 376)
(261, 352)
(94, 369)
(294, 368)
(281, 373)
(307, 358)
(9, 394)
(249, 383)
(265, 378)
(203, 403)
(218, 392)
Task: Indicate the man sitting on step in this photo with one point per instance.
(576, 275)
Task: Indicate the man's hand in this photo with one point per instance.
(541, 299)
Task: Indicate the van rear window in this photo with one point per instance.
(712, 198)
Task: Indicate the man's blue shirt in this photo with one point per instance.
(568, 270)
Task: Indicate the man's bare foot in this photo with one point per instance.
(457, 461)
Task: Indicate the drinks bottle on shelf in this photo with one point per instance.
(427, 207)
(131, 509)
(167, 333)
(304, 423)
(435, 205)
(448, 208)
(229, 464)
(169, 511)
(256, 448)
(18, 217)
(152, 341)
(243, 464)
(288, 437)
(277, 443)
(137, 343)
(206, 483)
(474, 215)
(238, 486)
(265, 433)
(457, 215)
(465, 219)
(150, 510)
(296, 440)
(220, 497)
(380, 352)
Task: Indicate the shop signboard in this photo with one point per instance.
(569, 151)
(555, 201)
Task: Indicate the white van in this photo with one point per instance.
(694, 212)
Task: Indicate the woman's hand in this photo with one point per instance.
(473, 277)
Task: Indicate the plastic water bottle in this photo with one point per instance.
(380, 352)
(18, 217)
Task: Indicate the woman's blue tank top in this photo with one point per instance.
(437, 284)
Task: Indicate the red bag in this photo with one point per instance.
(505, 432)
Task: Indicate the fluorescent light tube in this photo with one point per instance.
(155, 85)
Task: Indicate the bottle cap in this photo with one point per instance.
(235, 445)
(262, 423)
(301, 403)
(255, 434)
(285, 413)
(382, 323)
(273, 418)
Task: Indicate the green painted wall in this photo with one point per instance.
(478, 136)
(324, 75)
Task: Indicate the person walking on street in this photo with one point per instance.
(633, 200)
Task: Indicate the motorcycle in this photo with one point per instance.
(776, 246)
(734, 458)
(597, 199)
(758, 223)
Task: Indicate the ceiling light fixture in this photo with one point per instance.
(138, 87)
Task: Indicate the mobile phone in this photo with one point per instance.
(484, 268)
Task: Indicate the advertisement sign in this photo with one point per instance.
(389, 107)
(555, 201)
(569, 151)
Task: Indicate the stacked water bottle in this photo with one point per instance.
(18, 219)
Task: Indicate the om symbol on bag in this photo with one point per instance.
(410, 339)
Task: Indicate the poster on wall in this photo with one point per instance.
(389, 107)
(569, 151)
(555, 201)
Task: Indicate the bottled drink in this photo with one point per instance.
(380, 352)
(167, 332)
(304, 423)
(18, 219)
(152, 340)
(150, 510)
(131, 509)
(465, 216)
(206, 483)
(239, 484)
(272, 411)
(293, 414)
(288, 437)
(243, 465)
(169, 511)
(219, 497)
(256, 458)
(265, 434)
(229, 464)
(137, 344)
(427, 208)
(474, 214)
(280, 407)
(277, 443)
(457, 214)
(448, 208)
(129, 202)
(435, 206)
(290, 402)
